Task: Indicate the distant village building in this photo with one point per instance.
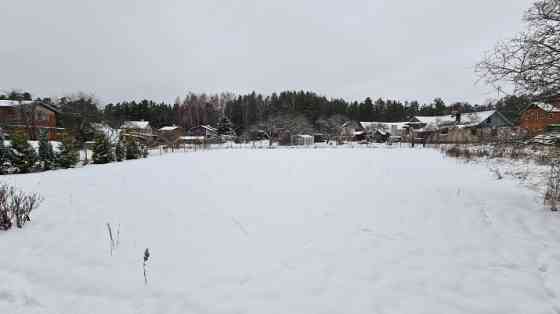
(205, 131)
(382, 131)
(470, 127)
(352, 131)
(170, 135)
(31, 117)
(538, 116)
(137, 128)
(303, 139)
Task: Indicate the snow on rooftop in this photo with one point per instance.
(136, 125)
(210, 128)
(468, 119)
(388, 125)
(547, 107)
(169, 128)
(187, 138)
(13, 103)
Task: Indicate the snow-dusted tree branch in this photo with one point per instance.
(530, 60)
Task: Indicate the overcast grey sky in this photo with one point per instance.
(132, 49)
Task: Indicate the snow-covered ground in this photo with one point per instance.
(284, 231)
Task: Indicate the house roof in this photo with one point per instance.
(136, 125)
(475, 118)
(192, 138)
(469, 119)
(546, 107)
(15, 103)
(387, 125)
(435, 121)
(304, 136)
(207, 127)
(169, 128)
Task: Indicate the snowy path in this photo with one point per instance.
(284, 231)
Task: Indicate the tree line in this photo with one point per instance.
(302, 111)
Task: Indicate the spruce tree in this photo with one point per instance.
(119, 151)
(68, 155)
(102, 150)
(24, 156)
(46, 152)
(5, 156)
(132, 149)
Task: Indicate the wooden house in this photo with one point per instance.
(538, 116)
(170, 135)
(31, 117)
(137, 128)
(472, 127)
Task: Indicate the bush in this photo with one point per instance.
(133, 149)
(119, 151)
(68, 155)
(46, 152)
(102, 150)
(5, 157)
(16, 207)
(552, 195)
(23, 155)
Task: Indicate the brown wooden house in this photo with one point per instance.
(31, 117)
(538, 116)
(171, 135)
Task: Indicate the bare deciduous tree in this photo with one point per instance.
(531, 60)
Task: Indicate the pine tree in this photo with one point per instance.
(225, 127)
(46, 152)
(119, 151)
(5, 156)
(24, 156)
(132, 149)
(68, 155)
(102, 150)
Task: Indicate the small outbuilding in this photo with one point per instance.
(303, 140)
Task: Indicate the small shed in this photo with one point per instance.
(303, 140)
(203, 130)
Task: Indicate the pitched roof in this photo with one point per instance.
(15, 103)
(169, 128)
(209, 128)
(475, 118)
(546, 107)
(387, 125)
(469, 119)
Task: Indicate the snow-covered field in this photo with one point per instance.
(284, 231)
